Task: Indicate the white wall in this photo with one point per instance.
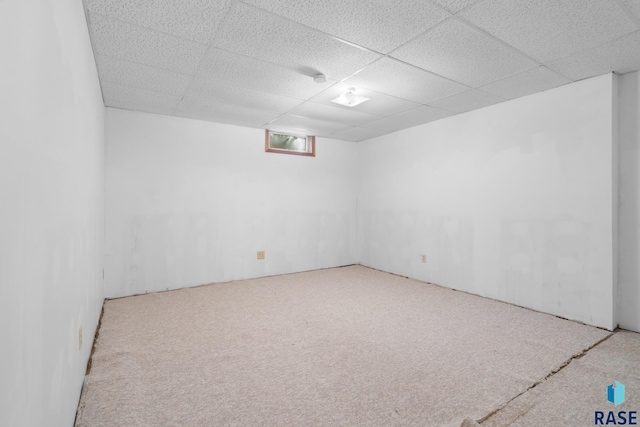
(629, 235)
(51, 215)
(191, 202)
(514, 202)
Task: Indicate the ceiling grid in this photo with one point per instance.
(252, 62)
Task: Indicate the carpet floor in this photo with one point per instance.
(574, 395)
(347, 346)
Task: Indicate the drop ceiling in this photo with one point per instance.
(252, 62)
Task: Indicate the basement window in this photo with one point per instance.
(284, 143)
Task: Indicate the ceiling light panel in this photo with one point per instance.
(404, 81)
(141, 76)
(239, 70)
(350, 98)
(204, 89)
(380, 25)
(310, 126)
(620, 56)
(259, 34)
(196, 20)
(127, 41)
(458, 52)
(378, 104)
(548, 29)
(333, 114)
(356, 134)
(467, 101)
(525, 83)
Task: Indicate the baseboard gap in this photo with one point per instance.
(95, 342)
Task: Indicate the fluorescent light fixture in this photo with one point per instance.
(350, 98)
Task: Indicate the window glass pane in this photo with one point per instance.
(287, 142)
(277, 142)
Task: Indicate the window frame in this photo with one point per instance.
(311, 140)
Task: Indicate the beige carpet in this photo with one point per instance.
(573, 395)
(347, 346)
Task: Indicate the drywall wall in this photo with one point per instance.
(513, 202)
(51, 220)
(629, 213)
(191, 202)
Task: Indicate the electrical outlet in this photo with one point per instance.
(423, 258)
(260, 254)
(80, 338)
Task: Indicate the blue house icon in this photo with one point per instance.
(615, 393)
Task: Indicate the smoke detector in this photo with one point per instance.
(320, 78)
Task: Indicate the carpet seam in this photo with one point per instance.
(549, 375)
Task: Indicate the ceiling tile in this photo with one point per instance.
(378, 103)
(380, 25)
(633, 6)
(142, 76)
(294, 131)
(217, 111)
(548, 29)
(146, 108)
(356, 134)
(203, 90)
(420, 115)
(458, 52)
(114, 92)
(310, 126)
(620, 56)
(126, 41)
(454, 6)
(385, 125)
(467, 101)
(253, 121)
(124, 10)
(195, 20)
(525, 83)
(155, 56)
(259, 34)
(404, 81)
(333, 114)
(239, 70)
(407, 119)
